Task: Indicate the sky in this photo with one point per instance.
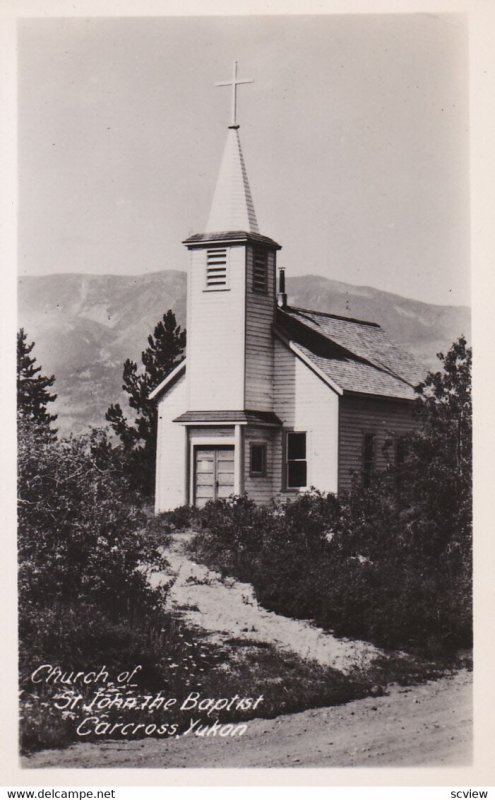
(355, 136)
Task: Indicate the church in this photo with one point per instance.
(271, 399)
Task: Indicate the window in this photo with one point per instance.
(368, 458)
(257, 460)
(260, 271)
(216, 268)
(296, 460)
(400, 451)
(400, 457)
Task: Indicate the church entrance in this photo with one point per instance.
(213, 473)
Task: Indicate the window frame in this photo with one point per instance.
(287, 461)
(264, 448)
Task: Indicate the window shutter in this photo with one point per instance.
(216, 268)
(260, 271)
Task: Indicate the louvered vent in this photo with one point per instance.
(260, 271)
(216, 268)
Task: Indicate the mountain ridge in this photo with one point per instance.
(85, 326)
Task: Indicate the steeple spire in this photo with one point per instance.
(232, 208)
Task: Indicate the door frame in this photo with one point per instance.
(215, 450)
(215, 441)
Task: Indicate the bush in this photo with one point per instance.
(179, 519)
(353, 566)
(85, 604)
(231, 532)
(84, 565)
(81, 528)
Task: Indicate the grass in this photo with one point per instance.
(287, 682)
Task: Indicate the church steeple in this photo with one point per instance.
(232, 208)
(231, 295)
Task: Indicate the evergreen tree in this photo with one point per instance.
(445, 409)
(439, 464)
(138, 437)
(33, 393)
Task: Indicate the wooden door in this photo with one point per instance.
(213, 473)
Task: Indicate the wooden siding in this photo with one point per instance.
(209, 431)
(260, 314)
(170, 487)
(305, 403)
(361, 415)
(260, 489)
(215, 335)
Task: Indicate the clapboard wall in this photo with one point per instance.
(171, 455)
(216, 334)
(303, 402)
(360, 415)
(260, 312)
(259, 488)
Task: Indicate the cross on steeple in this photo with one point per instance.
(234, 83)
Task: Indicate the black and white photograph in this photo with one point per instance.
(244, 415)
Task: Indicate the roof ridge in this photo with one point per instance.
(334, 316)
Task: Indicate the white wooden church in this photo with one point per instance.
(271, 399)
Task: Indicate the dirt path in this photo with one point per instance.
(227, 608)
(427, 725)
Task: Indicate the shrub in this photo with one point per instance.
(353, 566)
(179, 519)
(81, 528)
(85, 555)
(84, 565)
(231, 535)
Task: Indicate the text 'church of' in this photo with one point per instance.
(271, 399)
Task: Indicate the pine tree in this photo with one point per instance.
(164, 352)
(445, 408)
(33, 393)
(436, 482)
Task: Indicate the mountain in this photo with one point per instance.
(85, 326)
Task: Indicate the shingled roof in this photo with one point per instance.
(356, 355)
(222, 417)
(236, 237)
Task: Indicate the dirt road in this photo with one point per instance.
(427, 725)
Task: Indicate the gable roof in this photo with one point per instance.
(169, 380)
(357, 376)
(350, 355)
(356, 355)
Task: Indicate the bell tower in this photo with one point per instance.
(231, 294)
